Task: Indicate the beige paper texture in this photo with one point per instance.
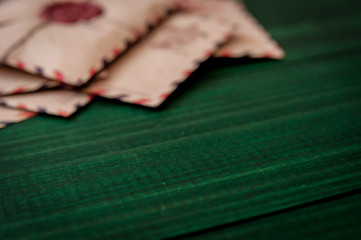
(148, 73)
(72, 52)
(10, 116)
(249, 39)
(59, 102)
(13, 81)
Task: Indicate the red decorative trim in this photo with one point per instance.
(27, 114)
(21, 106)
(116, 52)
(227, 36)
(178, 5)
(267, 55)
(225, 54)
(91, 97)
(59, 76)
(165, 95)
(141, 101)
(63, 114)
(138, 34)
(92, 71)
(209, 53)
(159, 18)
(187, 73)
(20, 65)
(19, 90)
(98, 92)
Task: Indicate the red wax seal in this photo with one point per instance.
(70, 12)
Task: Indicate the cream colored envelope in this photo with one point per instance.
(13, 82)
(33, 39)
(249, 39)
(149, 72)
(11, 116)
(59, 102)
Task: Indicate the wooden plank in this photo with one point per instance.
(335, 218)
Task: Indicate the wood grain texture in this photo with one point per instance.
(240, 140)
(334, 218)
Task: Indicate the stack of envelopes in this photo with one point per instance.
(57, 55)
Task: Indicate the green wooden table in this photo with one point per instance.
(246, 149)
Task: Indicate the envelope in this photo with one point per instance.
(13, 81)
(70, 41)
(249, 39)
(149, 72)
(59, 102)
(11, 116)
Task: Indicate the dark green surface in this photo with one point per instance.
(333, 218)
(245, 145)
